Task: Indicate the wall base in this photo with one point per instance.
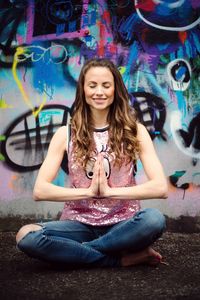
(182, 224)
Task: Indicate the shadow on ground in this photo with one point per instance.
(24, 278)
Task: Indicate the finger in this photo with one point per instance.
(101, 166)
(96, 169)
(100, 159)
(102, 173)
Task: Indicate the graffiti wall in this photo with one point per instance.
(43, 45)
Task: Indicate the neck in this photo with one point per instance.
(100, 119)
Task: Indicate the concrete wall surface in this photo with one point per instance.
(43, 45)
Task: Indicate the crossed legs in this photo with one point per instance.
(71, 242)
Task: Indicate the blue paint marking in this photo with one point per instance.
(163, 46)
(172, 56)
(160, 90)
(85, 21)
(93, 18)
(181, 103)
(180, 73)
(72, 26)
(196, 41)
(132, 58)
(188, 49)
(126, 28)
(180, 53)
(60, 179)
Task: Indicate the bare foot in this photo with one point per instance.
(148, 256)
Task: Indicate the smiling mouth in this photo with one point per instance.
(99, 99)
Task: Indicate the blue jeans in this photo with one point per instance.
(74, 243)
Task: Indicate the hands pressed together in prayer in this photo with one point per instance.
(99, 186)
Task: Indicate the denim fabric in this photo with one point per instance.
(74, 243)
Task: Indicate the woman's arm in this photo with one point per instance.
(155, 187)
(44, 189)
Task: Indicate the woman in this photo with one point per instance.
(101, 223)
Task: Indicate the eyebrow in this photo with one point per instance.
(105, 82)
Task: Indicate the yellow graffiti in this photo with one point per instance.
(20, 51)
(122, 70)
(2, 158)
(2, 138)
(3, 104)
(41, 105)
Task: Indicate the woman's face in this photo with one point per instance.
(99, 88)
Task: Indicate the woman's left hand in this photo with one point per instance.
(103, 182)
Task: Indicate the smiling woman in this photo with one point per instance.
(102, 218)
(99, 90)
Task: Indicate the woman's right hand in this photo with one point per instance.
(94, 187)
(99, 186)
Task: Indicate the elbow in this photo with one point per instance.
(164, 195)
(37, 194)
(164, 190)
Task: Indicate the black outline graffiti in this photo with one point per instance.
(174, 180)
(192, 136)
(155, 107)
(11, 14)
(40, 148)
(52, 15)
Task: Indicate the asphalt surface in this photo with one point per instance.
(22, 277)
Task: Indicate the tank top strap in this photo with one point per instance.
(68, 133)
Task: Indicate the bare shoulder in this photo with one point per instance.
(145, 141)
(140, 127)
(142, 132)
(59, 138)
(61, 131)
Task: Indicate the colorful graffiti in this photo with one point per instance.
(156, 46)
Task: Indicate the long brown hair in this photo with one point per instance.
(121, 119)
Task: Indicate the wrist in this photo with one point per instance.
(91, 193)
(107, 192)
(111, 192)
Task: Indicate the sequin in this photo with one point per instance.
(102, 211)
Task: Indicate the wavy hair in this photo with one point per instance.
(121, 119)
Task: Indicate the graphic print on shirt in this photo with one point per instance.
(92, 160)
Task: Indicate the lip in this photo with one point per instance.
(99, 99)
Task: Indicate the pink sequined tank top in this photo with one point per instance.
(104, 211)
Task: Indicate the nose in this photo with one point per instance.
(99, 90)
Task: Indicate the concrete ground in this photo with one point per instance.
(24, 278)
